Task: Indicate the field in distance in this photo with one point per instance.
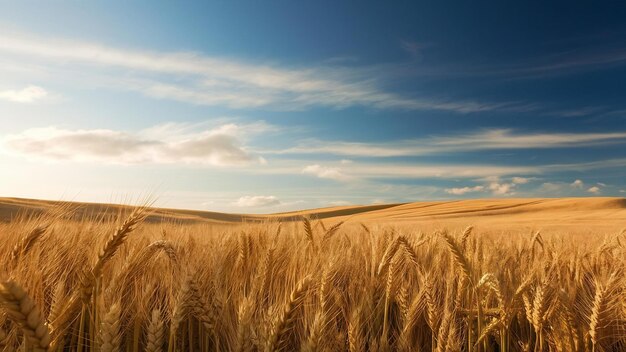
(596, 214)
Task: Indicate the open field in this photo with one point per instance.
(531, 275)
(598, 214)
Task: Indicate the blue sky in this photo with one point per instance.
(271, 106)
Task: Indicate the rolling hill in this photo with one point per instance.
(595, 214)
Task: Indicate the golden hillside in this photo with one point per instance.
(596, 214)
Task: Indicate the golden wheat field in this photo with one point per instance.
(342, 279)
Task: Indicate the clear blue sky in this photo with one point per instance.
(265, 106)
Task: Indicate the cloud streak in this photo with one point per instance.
(492, 139)
(207, 80)
(374, 170)
(594, 190)
(219, 146)
(27, 95)
(463, 190)
(326, 172)
(493, 185)
(256, 201)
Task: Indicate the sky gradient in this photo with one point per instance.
(248, 106)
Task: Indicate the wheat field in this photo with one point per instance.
(121, 283)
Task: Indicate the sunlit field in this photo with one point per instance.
(122, 283)
(315, 176)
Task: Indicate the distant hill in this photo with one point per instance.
(601, 213)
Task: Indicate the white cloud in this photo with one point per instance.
(346, 161)
(493, 184)
(475, 141)
(520, 180)
(28, 94)
(577, 184)
(493, 178)
(373, 170)
(502, 188)
(463, 190)
(256, 201)
(209, 80)
(592, 165)
(438, 170)
(325, 172)
(594, 190)
(219, 146)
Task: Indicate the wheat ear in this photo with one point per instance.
(308, 231)
(156, 332)
(601, 305)
(244, 318)
(110, 248)
(316, 333)
(331, 231)
(26, 243)
(465, 236)
(285, 322)
(20, 308)
(181, 308)
(458, 256)
(356, 342)
(415, 310)
(110, 336)
(390, 252)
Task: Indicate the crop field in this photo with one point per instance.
(312, 176)
(123, 283)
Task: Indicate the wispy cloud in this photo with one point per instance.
(404, 171)
(590, 165)
(326, 172)
(567, 62)
(28, 94)
(209, 80)
(463, 190)
(219, 146)
(502, 189)
(492, 139)
(594, 190)
(577, 184)
(520, 180)
(580, 58)
(577, 187)
(491, 175)
(256, 201)
(493, 184)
